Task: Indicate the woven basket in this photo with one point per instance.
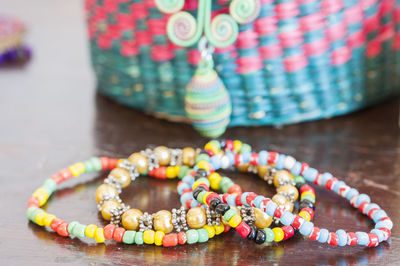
(298, 60)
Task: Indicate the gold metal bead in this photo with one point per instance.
(139, 161)
(196, 217)
(122, 175)
(290, 190)
(263, 220)
(163, 155)
(283, 201)
(189, 156)
(243, 167)
(282, 177)
(262, 170)
(162, 221)
(105, 190)
(130, 219)
(107, 207)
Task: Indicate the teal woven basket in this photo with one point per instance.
(275, 62)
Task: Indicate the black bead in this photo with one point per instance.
(197, 191)
(299, 185)
(214, 202)
(222, 208)
(201, 173)
(253, 232)
(222, 144)
(260, 237)
(306, 204)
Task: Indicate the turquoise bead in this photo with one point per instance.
(245, 148)
(96, 164)
(202, 157)
(138, 238)
(192, 236)
(71, 226)
(129, 237)
(32, 212)
(229, 213)
(203, 235)
(79, 230)
(201, 195)
(269, 235)
(89, 167)
(49, 185)
(299, 180)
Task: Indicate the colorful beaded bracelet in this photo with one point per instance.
(383, 223)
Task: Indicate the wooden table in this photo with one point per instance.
(51, 117)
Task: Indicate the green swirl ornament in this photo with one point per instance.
(244, 11)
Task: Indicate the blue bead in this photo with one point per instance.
(194, 203)
(384, 224)
(337, 186)
(306, 228)
(362, 198)
(216, 162)
(310, 174)
(378, 215)
(231, 200)
(371, 206)
(243, 199)
(257, 201)
(182, 186)
(231, 158)
(246, 157)
(363, 238)
(379, 233)
(296, 169)
(342, 237)
(287, 218)
(325, 178)
(188, 179)
(263, 157)
(185, 197)
(351, 193)
(323, 235)
(280, 164)
(271, 207)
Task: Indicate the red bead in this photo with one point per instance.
(62, 229)
(317, 180)
(109, 230)
(263, 204)
(329, 184)
(170, 240)
(229, 145)
(182, 238)
(310, 211)
(235, 189)
(254, 159)
(279, 211)
(204, 186)
(33, 202)
(362, 206)
(226, 228)
(333, 239)
(288, 232)
(151, 173)
(119, 234)
(272, 157)
(238, 199)
(386, 232)
(193, 173)
(104, 161)
(243, 229)
(352, 239)
(238, 159)
(189, 203)
(371, 212)
(65, 174)
(187, 190)
(304, 166)
(306, 188)
(57, 178)
(210, 153)
(315, 233)
(225, 197)
(55, 223)
(373, 240)
(298, 221)
(112, 163)
(250, 198)
(210, 197)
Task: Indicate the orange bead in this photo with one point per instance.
(235, 189)
(170, 240)
(182, 238)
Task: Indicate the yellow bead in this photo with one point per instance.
(148, 237)
(219, 229)
(90, 230)
(235, 220)
(210, 231)
(39, 218)
(99, 235)
(170, 172)
(214, 179)
(210, 146)
(204, 165)
(308, 193)
(41, 195)
(177, 169)
(77, 169)
(305, 215)
(49, 219)
(237, 145)
(196, 183)
(278, 234)
(205, 197)
(158, 238)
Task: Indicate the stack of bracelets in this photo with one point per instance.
(204, 213)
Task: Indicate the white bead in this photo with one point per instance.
(225, 162)
(343, 190)
(289, 162)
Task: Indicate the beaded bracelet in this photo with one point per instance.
(383, 223)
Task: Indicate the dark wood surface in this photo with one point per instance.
(51, 117)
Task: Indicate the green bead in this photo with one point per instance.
(138, 238)
(308, 197)
(225, 184)
(79, 230)
(49, 185)
(299, 180)
(71, 226)
(203, 235)
(182, 171)
(224, 180)
(96, 164)
(202, 157)
(245, 148)
(204, 180)
(129, 237)
(192, 236)
(89, 166)
(229, 213)
(200, 196)
(269, 235)
(32, 212)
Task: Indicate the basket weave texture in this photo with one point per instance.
(299, 60)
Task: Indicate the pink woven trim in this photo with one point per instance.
(161, 52)
(247, 39)
(125, 21)
(337, 31)
(356, 39)
(331, 6)
(129, 48)
(396, 42)
(157, 26)
(287, 10)
(220, 50)
(374, 47)
(142, 38)
(270, 51)
(110, 6)
(340, 56)
(139, 10)
(265, 26)
(295, 62)
(354, 14)
(100, 14)
(150, 3)
(368, 3)
(291, 38)
(396, 15)
(317, 47)
(386, 32)
(371, 24)
(248, 64)
(191, 5)
(194, 56)
(386, 7)
(104, 41)
(312, 22)
(113, 31)
(89, 4)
